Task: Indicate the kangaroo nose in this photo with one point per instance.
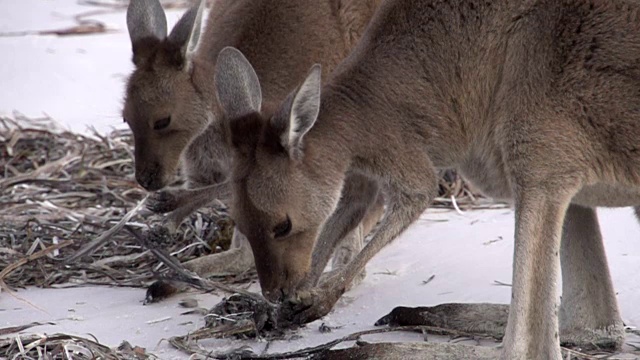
(149, 177)
(275, 296)
(144, 181)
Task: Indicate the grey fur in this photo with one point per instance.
(145, 18)
(237, 84)
(187, 30)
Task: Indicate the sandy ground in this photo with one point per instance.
(79, 81)
(466, 254)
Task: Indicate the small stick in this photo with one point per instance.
(166, 318)
(455, 205)
(93, 245)
(9, 269)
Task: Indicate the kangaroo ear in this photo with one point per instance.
(186, 33)
(305, 106)
(146, 19)
(236, 83)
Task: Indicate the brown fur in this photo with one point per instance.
(535, 101)
(282, 41)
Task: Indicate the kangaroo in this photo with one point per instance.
(533, 101)
(171, 108)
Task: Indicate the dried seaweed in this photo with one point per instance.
(65, 346)
(59, 187)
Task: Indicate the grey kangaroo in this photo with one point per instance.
(171, 108)
(536, 102)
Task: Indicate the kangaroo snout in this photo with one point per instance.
(282, 293)
(150, 178)
(280, 287)
(281, 278)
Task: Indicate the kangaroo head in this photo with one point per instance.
(281, 194)
(163, 106)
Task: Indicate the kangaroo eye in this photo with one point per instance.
(162, 123)
(282, 229)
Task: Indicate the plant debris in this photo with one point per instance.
(60, 190)
(243, 314)
(64, 346)
(237, 309)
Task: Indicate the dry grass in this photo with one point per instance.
(59, 190)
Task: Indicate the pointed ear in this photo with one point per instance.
(237, 85)
(303, 113)
(186, 33)
(146, 19)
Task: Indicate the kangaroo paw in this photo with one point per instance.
(309, 305)
(480, 319)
